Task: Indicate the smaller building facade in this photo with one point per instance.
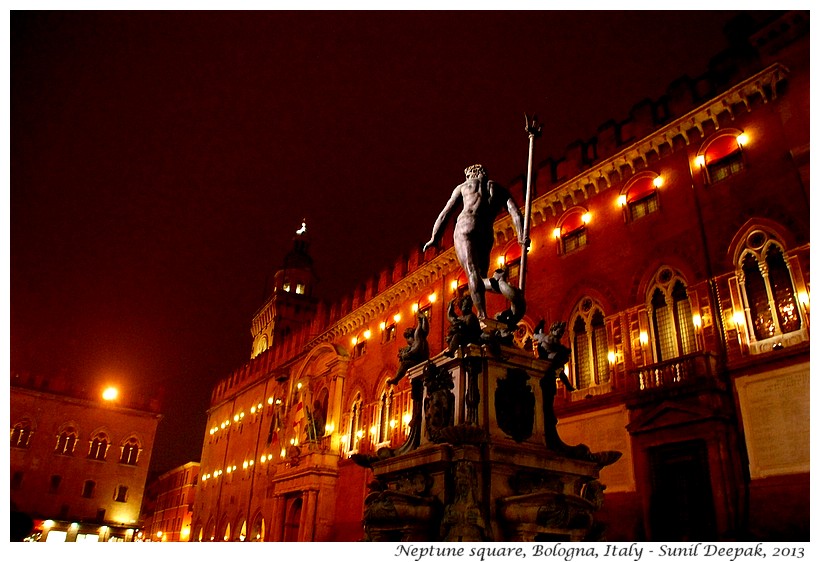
(169, 503)
(78, 464)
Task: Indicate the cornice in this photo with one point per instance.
(428, 273)
(599, 177)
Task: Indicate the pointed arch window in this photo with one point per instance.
(66, 441)
(98, 447)
(130, 451)
(768, 288)
(671, 314)
(355, 431)
(589, 345)
(258, 529)
(385, 414)
(21, 434)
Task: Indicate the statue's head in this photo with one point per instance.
(409, 333)
(474, 172)
(466, 304)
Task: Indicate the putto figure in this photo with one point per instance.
(482, 200)
(416, 350)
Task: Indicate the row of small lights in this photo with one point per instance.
(241, 415)
(658, 181)
(375, 428)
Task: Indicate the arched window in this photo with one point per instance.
(722, 157)
(130, 451)
(258, 529)
(21, 434)
(571, 231)
(768, 288)
(385, 414)
(66, 440)
(589, 345)
(98, 447)
(640, 196)
(294, 514)
(671, 316)
(355, 431)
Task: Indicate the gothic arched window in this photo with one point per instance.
(99, 447)
(768, 287)
(671, 315)
(66, 440)
(130, 451)
(589, 345)
(21, 434)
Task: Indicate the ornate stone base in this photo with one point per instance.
(486, 462)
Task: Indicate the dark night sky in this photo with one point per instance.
(161, 162)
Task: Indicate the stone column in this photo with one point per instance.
(307, 523)
(278, 523)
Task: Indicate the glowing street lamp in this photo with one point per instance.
(110, 393)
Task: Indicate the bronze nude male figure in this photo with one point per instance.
(482, 200)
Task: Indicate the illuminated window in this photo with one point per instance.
(571, 231)
(300, 289)
(355, 432)
(385, 414)
(671, 313)
(723, 158)
(66, 441)
(99, 447)
(574, 240)
(768, 287)
(121, 494)
(640, 196)
(426, 310)
(258, 529)
(589, 345)
(21, 434)
(286, 287)
(360, 347)
(389, 333)
(88, 488)
(130, 451)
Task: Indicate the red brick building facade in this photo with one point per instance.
(674, 244)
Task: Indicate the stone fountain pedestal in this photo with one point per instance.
(483, 460)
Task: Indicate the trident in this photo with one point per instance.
(534, 130)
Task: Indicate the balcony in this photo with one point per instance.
(672, 373)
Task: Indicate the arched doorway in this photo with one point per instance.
(292, 521)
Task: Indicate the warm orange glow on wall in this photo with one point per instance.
(110, 393)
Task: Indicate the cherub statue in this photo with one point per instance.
(465, 328)
(417, 349)
(550, 348)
